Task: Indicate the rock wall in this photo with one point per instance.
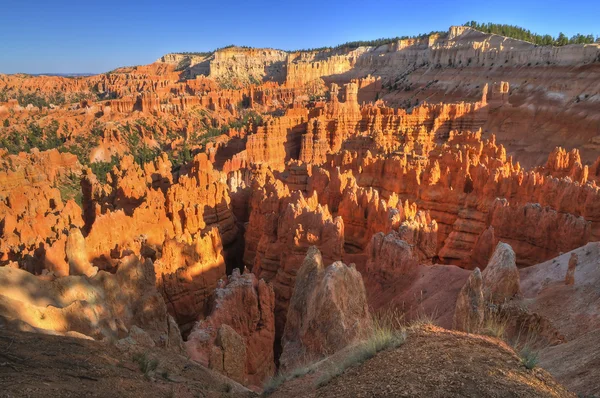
(246, 306)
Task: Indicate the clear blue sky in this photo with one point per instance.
(96, 36)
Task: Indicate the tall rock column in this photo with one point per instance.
(470, 304)
(501, 280)
(327, 312)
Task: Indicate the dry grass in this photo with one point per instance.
(526, 343)
(421, 320)
(147, 365)
(494, 322)
(274, 382)
(389, 330)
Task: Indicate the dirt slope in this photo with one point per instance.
(435, 362)
(38, 365)
(573, 311)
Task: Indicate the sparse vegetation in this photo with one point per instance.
(516, 32)
(40, 100)
(421, 320)
(254, 80)
(33, 136)
(494, 322)
(372, 43)
(272, 384)
(388, 331)
(529, 357)
(71, 189)
(195, 54)
(141, 151)
(183, 64)
(227, 388)
(381, 339)
(146, 363)
(101, 169)
(523, 340)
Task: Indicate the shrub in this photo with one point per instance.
(529, 357)
(273, 384)
(146, 364)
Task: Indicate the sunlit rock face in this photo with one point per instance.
(104, 306)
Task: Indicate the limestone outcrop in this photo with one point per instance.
(290, 226)
(187, 272)
(390, 257)
(570, 276)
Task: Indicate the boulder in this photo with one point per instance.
(570, 276)
(106, 306)
(77, 255)
(232, 349)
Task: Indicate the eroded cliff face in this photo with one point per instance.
(287, 226)
(238, 336)
(401, 161)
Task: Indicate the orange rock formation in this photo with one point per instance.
(417, 161)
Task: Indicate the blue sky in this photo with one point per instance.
(96, 36)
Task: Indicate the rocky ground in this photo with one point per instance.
(40, 365)
(434, 362)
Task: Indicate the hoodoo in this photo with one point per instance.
(415, 216)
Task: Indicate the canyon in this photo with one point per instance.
(256, 211)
